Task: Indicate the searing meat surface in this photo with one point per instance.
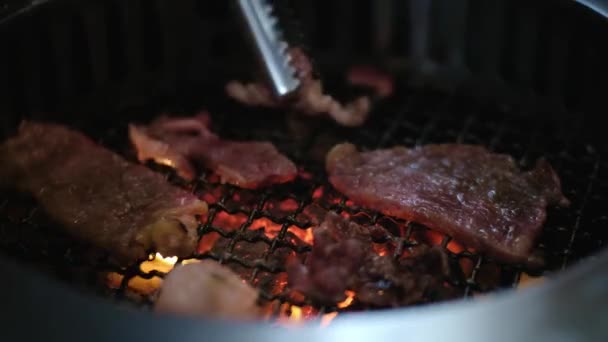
(98, 196)
(309, 99)
(478, 197)
(343, 258)
(179, 142)
(207, 289)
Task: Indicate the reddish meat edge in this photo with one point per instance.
(308, 99)
(184, 142)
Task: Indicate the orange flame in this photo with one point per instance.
(142, 285)
(299, 314)
(296, 313)
(350, 297)
(159, 263)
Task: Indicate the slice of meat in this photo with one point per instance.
(97, 195)
(477, 197)
(308, 99)
(343, 259)
(179, 142)
(207, 289)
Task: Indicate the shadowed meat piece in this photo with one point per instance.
(478, 197)
(207, 289)
(98, 196)
(178, 142)
(308, 99)
(368, 76)
(343, 258)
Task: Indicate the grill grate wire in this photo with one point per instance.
(255, 233)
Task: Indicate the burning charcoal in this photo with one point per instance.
(99, 197)
(465, 191)
(180, 142)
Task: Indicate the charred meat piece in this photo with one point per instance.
(343, 258)
(97, 195)
(207, 289)
(480, 198)
(309, 98)
(179, 142)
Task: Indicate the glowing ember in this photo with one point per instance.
(350, 297)
(212, 195)
(318, 193)
(455, 247)
(309, 237)
(345, 215)
(288, 205)
(304, 234)
(434, 237)
(271, 229)
(228, 221)
(207, 242)
(280, 283)
(165, 161)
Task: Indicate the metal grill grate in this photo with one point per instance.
(253, 232)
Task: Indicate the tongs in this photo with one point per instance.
(263, 25)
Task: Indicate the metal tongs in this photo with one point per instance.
(263, 25)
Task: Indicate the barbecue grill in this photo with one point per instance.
(523, 78)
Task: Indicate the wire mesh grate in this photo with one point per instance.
(256, 232)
